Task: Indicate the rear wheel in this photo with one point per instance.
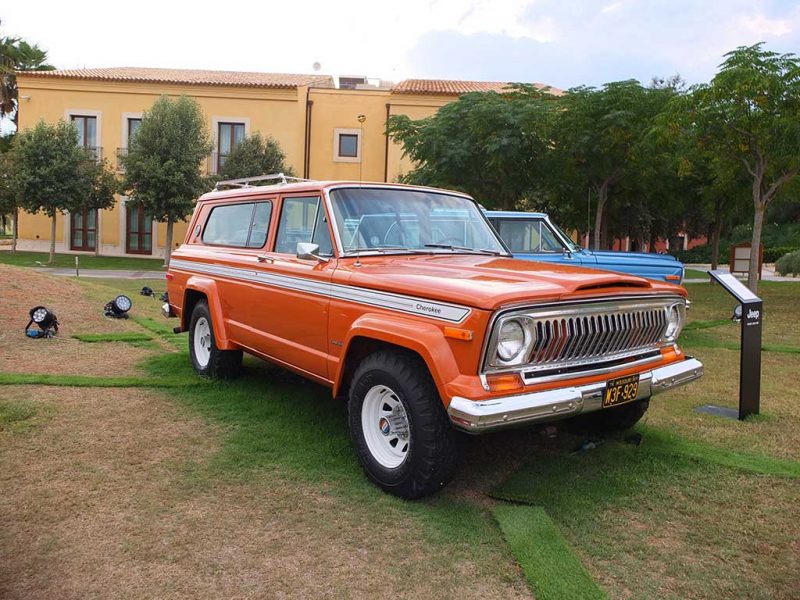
(608, 420)
(207, 359)
(399, 427)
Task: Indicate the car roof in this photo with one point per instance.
(303, 186)
(511, 214)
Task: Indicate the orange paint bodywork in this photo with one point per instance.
(311, 333)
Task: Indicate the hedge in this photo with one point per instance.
(772, 255)
(702, 254)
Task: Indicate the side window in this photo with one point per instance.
(240, 225)
(526, 236)
(303, 220)
(549, 241)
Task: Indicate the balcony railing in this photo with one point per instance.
(96, 152)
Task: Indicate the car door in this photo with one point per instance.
(293, 300)
(530, 238)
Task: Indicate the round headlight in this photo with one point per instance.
(674, 322)
(510, 340)
(122, 303)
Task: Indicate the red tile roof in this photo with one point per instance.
(452, 87)
(188, 77)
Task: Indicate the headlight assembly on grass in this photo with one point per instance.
(45, 319)
(118, 308)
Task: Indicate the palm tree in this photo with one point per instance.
(17, 55)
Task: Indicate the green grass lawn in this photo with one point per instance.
(704, 507)
(87, 261)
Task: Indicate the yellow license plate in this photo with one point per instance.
(621, 390)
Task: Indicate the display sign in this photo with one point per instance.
(752, 313)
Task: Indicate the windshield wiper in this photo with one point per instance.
(464, 249)
(381, 249)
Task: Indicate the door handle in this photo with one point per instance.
(268, 259)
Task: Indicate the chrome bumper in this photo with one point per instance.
(561, 403)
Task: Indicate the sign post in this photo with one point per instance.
(750, 351)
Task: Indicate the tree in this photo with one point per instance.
(595, 136)
(17, 55)
(253, 156)
(162, 167)
(50, 172)
(8, 197)
(750, 115)
(493, 146)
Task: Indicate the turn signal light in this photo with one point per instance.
(458, 334)
(510, 382)
(673, 277)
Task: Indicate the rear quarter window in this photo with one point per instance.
(242, 225)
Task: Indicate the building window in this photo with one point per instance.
(347, 145)
(83, 230)
(138, 230)
(87, 133)
(130, 127)
(229, 134)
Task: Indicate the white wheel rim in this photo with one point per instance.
(385, 426)
(202, 341)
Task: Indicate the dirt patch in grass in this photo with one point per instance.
(111, 497)
(22, 289)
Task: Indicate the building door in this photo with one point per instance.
(83, 230)
(138, 231)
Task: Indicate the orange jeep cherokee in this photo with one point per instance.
(404, 301)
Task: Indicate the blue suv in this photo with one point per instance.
(531, 236)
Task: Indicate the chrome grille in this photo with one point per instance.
(586, 334)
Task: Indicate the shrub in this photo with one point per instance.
(772, 255)
(789, 264)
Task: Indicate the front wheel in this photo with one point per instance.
(400, 430)
(207, 359)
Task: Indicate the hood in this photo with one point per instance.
(637, 258)
(490, 282)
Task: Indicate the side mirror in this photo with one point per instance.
(309, 251)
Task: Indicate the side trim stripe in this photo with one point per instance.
(451, 313)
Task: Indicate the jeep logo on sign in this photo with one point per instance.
(753, 316)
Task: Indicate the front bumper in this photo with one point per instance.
(561, 403)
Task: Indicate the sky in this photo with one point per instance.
(562, 43)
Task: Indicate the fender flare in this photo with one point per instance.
(208, 287)
(425, 338)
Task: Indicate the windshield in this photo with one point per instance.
(384, 220)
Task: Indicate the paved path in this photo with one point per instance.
(104, 273)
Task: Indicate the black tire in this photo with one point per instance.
(608, 420)
(221, 364)
(434, 446)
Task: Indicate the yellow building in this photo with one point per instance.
(316, 123)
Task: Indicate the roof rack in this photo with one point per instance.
(244, 182)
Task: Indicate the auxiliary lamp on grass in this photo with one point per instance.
(44, 319)
(118, 308)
